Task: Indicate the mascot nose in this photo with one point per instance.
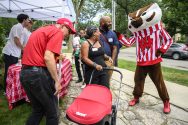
(137, 23)
(130, 27)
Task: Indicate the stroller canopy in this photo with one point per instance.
(91, 105)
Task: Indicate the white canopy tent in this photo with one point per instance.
(49, 10)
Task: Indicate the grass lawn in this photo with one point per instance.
(169, 74)
(17, 116)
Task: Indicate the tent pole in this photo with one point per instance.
(113, 15)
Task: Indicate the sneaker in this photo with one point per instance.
(166, 109)
(134, 102)
(83, 86)
(78, 81)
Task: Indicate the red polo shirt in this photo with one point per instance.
(45, 38)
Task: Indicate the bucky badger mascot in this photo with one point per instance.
(151, 42)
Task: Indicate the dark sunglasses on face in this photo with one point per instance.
(69, 30)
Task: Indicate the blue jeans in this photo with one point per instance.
(39, 87)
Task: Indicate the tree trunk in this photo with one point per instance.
(78, 10)
(69, 44)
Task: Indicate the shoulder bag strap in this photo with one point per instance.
(106, 40)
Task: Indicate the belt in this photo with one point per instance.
(33, 67)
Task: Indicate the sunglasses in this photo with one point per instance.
(69, 30)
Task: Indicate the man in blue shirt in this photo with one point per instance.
(108, 38)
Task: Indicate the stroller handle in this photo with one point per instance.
(121, 77)
(108, 68)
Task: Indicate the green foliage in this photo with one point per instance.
(2, 41)
(175, 16)
(175, 13)
(16, 116)
(37, 24)
(133, 5)
(5, 27)
(123, 8)
(89, 11)
(7, 24)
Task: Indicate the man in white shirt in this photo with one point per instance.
(12, 50)
(76, 53)
(27, 32)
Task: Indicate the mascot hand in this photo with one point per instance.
(158, 53)
(117, 33)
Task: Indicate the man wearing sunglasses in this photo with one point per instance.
(39, 73)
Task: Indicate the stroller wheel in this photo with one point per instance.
(114, 114)
(104, 121)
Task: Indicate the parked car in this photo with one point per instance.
(177, 51)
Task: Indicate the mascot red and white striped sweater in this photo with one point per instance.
(152, 40)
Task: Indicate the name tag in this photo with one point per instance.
(110, 40)
(94, 49)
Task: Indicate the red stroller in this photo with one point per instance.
(90, 108)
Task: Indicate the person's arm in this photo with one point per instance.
(50, 62)
(18, 43)
(84, 56)
(114, 53)
(114, 47)
(166, 42)
(126, 41)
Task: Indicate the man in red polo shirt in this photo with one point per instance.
(39, 73)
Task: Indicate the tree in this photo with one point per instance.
(175, 13)
(78, 5)
(175, 16)
(85, 12)
(123, 8)
(2, 42)
(89, 11)
(133, 5)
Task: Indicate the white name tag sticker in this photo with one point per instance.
(94, 49)
(110, 40)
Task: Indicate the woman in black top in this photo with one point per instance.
(93, 56)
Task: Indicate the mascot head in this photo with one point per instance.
(144, 17)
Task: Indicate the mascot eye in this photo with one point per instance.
(143, 13)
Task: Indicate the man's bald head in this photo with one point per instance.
(105, 19)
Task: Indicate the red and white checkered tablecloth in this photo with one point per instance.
(15, 91)
(66, 74)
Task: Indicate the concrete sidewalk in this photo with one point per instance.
(178, 93)
(149, 111)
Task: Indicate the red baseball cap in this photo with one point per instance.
(67, 23)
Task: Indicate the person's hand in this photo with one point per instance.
(158, 53)
(98, 67)
(111, 60)
(62, 57)
(58, 88)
